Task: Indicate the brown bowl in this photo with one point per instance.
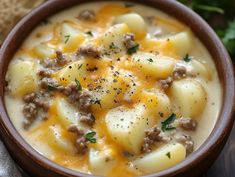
(199, 161)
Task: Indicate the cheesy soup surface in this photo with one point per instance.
(113, 89)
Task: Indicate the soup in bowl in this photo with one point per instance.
(113, 89)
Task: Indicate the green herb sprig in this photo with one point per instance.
(167, 124)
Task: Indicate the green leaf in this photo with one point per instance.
(66, 38)
(229, 38)
(113, 46)
(79, 86)
(51, 87)
(79, 67)
(187, 58)
(90, 137)
(208, 8)
(89, 33)
(98, 102)
(150, 60)
(166, 125)
(133, 50)
(168, 155)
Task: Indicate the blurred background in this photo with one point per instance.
(220, 14)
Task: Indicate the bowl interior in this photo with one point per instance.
(211, 146)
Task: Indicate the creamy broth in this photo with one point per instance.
(161, 36)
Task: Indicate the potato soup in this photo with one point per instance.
(113, 89)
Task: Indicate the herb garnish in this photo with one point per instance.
(90, 137)
(51, 87)
(66, 38)
(113, 46)
(133, 50)
(79, 87)
(128, 4)
(168, 155)
(89, 33)
(150, 60)
(166, 125)
(187, 58)
(79, 66)
(97, 102)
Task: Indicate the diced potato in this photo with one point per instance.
(67, 114)
(189, 96)
(161, 159)
(182, 42)
(75, 70)
(111, 93)
(112, 40)
(22, 78)
(127, 126)
(159, 67)
(101, 162)
(158, 102)
(56, 140)
(43, 51)
(71, 38)
(200, 69)
(135, 22)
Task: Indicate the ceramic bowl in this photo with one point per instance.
(194, 165)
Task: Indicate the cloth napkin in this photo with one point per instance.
(7, 167)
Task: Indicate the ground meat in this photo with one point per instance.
(81, 99)
(34, 103)
(165, 84)
(187, 141)
(60, 58)
(81, 142)
(88, 119)
(151, 136)
(87, 15)
(48, 84)
(89, 51)
(45, 72)
(187, 123)
(129, 40)
(179, 72)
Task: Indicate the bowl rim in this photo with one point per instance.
(222, 127)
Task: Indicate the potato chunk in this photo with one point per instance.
(161, 159)
(135, 22)
(189, 96)
(56, 140)
(182, 43)
(42, 51)
(22, 78)
(71, 38)
(127, 126)
(158, 67)
(112, 40)
(200, 69)
(101, 162)
(67, 114)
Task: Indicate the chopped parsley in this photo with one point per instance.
(79, 87)
(150, 60)
(187, 58)
(66, 38)
(97, 102)
(79, 66)
(133, 50)
(90, 137)
(128, 4)
(113, 46)
(89, 33)
(166, 125)
(51, 87)
(168, 155)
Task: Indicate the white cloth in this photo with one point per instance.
(7, 167)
